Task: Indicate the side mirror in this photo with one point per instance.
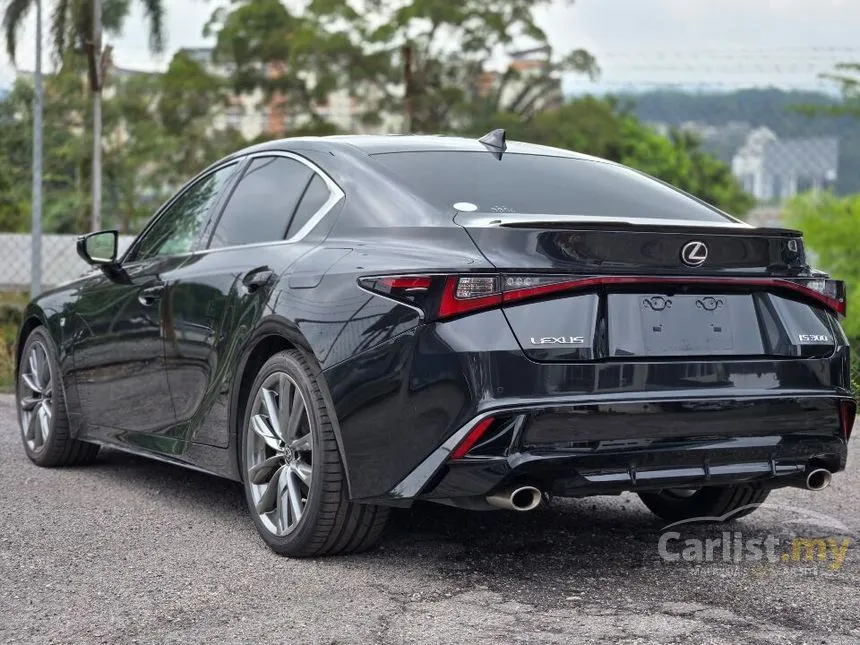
(99, 248)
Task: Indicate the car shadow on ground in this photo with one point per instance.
(569, 534)
(596, 537)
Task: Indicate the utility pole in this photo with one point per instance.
(408, 106)
(96, 77)
(38, 104)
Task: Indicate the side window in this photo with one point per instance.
(177, 228)
(260, 208)
(315, 197)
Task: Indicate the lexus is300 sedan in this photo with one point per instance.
(346, 324)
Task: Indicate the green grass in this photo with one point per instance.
(11, 307)
(7, 356)
(855, 369)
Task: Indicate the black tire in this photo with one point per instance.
(708, 502)
(60, 448)
(330, 524)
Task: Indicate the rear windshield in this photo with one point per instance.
(541, 185)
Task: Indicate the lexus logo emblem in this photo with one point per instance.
(694, 254)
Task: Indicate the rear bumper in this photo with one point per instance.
(592, 426)
(607, 448)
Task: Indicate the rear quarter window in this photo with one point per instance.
(541, 185)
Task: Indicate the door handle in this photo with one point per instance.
(256, 278)
(150, 295)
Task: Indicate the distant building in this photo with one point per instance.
(774, 169)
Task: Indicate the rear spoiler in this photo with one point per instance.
(588, 222)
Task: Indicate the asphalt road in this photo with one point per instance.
(134, 551)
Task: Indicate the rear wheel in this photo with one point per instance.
(724, 502)
(42, 407)
(295, 484)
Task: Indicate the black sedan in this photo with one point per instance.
(346, 324)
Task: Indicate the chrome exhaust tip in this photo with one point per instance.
(523, 498)
(818, 479)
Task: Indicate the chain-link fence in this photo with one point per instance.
(60, 261)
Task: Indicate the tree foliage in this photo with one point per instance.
(830, 225)
(426, 58)
(158, 132)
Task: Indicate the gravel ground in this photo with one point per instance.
(135, 551)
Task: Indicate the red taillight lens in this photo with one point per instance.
(471, 438)
(407, 283)
(847, 414)
(446, 296)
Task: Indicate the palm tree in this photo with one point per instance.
(76, 27)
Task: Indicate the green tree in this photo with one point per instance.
(159, 131)
(65, 153)
(163, 131)
(424, 58)
(73, 31)
(830, 226)
(291, 58)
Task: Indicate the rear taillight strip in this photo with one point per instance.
(835, 304)
(447, 296)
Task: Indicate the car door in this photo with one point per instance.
(118, 322)
(216, 298)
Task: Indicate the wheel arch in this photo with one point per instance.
(273, 335)
(32, 318)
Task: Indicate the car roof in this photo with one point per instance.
(384, 143)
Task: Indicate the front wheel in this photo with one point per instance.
(295, 484)
(723, 503)
(42, 409)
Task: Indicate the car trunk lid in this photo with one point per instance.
(635, 290)
(617, 246)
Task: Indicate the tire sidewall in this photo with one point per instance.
(286, 362)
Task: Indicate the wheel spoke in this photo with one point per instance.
(31, 383)
(44, 369)
(28, 404)
(46, 406)
(261, 473)
(285, 392)
(302, 444)
(44, 425)
(30, 431)
(296, 414)
(272, 412)
(269, 498)
(34, 369)
(283, 508)
(303, 472)
(261, 427)
(295, 495)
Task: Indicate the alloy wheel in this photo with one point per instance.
(35, 395)
(279, 454)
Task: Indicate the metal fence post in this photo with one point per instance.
(36, 234)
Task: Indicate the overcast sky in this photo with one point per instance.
(641, 42)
